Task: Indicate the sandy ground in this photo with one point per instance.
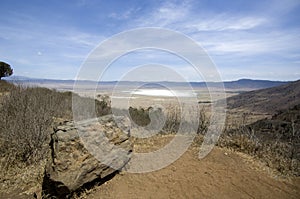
(221, 174)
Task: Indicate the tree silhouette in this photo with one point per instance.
(5, 70)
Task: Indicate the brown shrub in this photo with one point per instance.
(27, 115)
(5, 86)
(267, 144)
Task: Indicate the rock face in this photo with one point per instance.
(85, 152)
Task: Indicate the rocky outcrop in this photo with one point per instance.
(85, 152)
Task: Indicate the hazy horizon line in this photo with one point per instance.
(25, 78)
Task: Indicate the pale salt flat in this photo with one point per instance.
(163, 93)
(122, 97)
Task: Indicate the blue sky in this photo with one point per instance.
(245, 39)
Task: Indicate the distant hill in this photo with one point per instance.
(252, 84)
(242, 84)
(269, 100)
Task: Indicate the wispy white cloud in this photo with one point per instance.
(182, 17)
(125, 14)
(234, 37)
(167, 14)
(231, 38)
(250, 44)
(224, 22)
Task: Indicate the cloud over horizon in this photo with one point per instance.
(250, 39)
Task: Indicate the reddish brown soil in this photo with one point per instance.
(222, 174)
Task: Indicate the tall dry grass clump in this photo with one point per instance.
(27, 117)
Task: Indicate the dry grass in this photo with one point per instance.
(5, 86)
(269, 147)
(171, 115)
(278, 148)
(28, 114)
(27, 117)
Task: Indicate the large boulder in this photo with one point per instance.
(85, 152)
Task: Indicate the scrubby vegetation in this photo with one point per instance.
(28, 115)
(140, 116)
(274, 141)
(171, 116)
(5, 86)
(27, 118)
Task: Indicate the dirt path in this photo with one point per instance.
(222, 174)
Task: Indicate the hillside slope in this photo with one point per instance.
(274, 140)
(283, 126)
(269, 100)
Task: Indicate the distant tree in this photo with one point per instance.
(5, 70)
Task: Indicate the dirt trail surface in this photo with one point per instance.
(222, 174)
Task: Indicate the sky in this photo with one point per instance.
(244, 39)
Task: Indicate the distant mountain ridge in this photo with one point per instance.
(239, 84)
(243, 83)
